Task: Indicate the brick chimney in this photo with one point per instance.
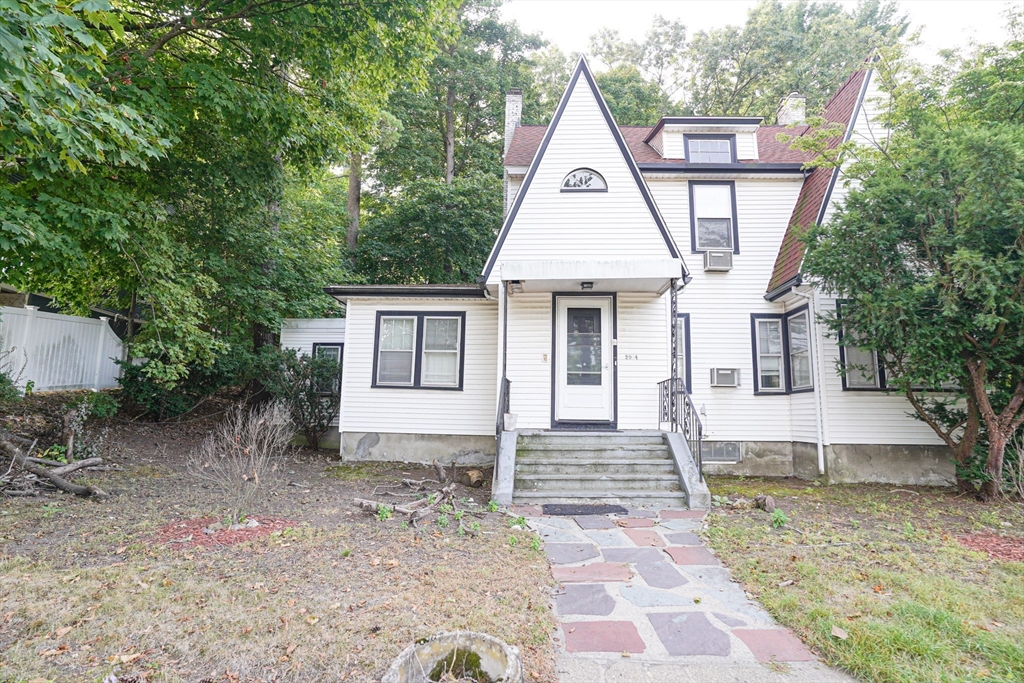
(513, 115)
(792, 109)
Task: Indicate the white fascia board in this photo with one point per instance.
(634, 275)
(710, 128)
(516, 170)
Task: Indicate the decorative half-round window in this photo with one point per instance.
(584, 180)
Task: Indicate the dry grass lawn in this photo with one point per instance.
(85, 590)
(884, 565)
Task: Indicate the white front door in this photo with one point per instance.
(584, 362)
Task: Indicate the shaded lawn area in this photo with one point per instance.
(886, 565)
(87, 589)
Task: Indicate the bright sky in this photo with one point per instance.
(570, 23)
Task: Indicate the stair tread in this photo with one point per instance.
(598, 494)
(598, 476)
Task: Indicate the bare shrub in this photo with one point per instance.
(1014, 464)
(242, 454)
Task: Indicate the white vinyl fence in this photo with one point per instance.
(58, 352)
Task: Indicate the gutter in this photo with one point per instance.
(784, 288)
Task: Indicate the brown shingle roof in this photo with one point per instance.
(840, 109)
(526, 140)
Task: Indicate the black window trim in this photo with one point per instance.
(418, 348)
(842, 358)
(730, 137)
(783, 319)
(688, 368)
(693, 215)
(562, 188)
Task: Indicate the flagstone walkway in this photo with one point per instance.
(643, 601)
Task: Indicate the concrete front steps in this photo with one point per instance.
(622, 468)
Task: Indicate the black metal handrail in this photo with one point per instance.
(677, 410)
(503, 405)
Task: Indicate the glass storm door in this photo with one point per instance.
(584, 383)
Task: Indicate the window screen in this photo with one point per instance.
(396, 349)
(861, 368)
(709, 151)
(769, 355)
(441, 352)
(712, 213)
(799, 352)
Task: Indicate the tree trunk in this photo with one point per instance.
(449, 136)
(994, 466)
(968, 440)
(355, 171)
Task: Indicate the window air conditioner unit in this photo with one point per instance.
(717, 261)
(725, 377)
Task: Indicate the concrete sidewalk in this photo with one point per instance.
(643, 601)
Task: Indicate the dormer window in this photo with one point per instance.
(584, 180)
(711, 149)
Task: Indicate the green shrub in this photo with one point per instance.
(309, 386)
(8, 377)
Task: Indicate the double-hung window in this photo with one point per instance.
(419, 350)
(713, 216)
(799, 338)
(861, 368)
(782, 352)
(710, 149)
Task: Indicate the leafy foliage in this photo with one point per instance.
(928, 249)
(432, 232)
(157, 144)
(308, 387)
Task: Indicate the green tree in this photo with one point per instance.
(802, 46)
(453, 125)
(433, 232)
(928, 249)
(633, 100)
(659, 58)
(190, 228)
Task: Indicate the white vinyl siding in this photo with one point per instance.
(643, 357)
(424, 410)
(529, 359)
(302, 334)
(552, 224)
(720, 305)
(672, 143)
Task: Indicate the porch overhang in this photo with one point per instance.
(632, 275)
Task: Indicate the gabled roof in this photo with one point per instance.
(527, 139)
(814, 196)
(530, 151)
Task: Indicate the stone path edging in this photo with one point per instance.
(642, 600)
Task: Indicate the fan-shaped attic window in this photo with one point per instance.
(584, 180)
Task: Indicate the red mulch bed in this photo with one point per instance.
(189, 533)
(1006, 548)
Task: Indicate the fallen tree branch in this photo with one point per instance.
(44, 461)
(77, 465)
(439, 468)
(55, 479)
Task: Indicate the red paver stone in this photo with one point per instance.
(683, 514)
(773, 644)
(692, 554)
(602, 636)
(631, 522)
(526, 510)
(597, 571)
(645, 538)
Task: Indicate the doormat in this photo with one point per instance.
(563, 510)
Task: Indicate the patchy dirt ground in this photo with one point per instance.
(91, 587)
(922, 584)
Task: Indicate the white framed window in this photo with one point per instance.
(713, 216)
(441, 351)
(798, 331)
(709, 150)
(419, 350)
(396, 346)
(861, 368)
(768, 355)
(584, 180)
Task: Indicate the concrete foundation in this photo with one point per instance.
(844, 463)
(889, 464)
(331, 441)
(419, 448)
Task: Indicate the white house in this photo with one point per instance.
(642, 309)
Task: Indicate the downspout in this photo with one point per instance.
(819, 388)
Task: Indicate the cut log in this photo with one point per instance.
(472, 478)
(439, 468)
(55, 479)
(77, 465)
(452, 474)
